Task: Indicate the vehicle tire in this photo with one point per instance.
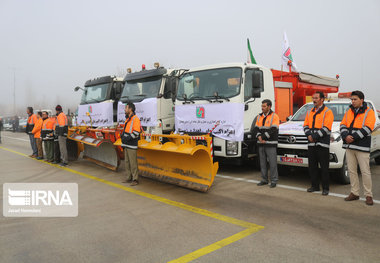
(342, 175)
(72, 150)
(283, 170)
(377, 160)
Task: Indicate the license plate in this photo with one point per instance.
(291, 160)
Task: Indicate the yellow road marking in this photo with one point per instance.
(215, 246)
(250, 227)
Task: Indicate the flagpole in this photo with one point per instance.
(282, 67)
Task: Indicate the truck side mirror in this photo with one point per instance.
(288, 118)
(257, 83)
(256, 93)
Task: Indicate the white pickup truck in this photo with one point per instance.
(292, 141)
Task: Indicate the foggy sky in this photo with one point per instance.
(53, 46)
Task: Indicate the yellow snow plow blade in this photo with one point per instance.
(178, 159)
(98, 150)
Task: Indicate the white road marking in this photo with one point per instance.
(15, 138)
(285, 186)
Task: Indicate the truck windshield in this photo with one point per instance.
(338, 109)
(206, 84)
(137, 90)
(94, 94)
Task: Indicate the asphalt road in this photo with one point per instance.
(236, 221)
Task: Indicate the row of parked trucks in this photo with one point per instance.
(194, 118)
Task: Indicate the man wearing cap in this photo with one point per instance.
(129, 138)
(61, 129)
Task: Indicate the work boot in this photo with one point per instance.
(312, 189)
(33, 156)
(134, 182)
(351, 197)
(272, 185)
(128, 181)
(368, 200)
(262, 183)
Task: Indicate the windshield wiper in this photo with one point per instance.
(216, 96)
(202, 98)
(141, 95)
(122, 97)
(186, 100)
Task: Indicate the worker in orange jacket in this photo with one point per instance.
(48, 136)
(37, 135)
(32, 119)
(355, 129)
(61, 129)
(129, 139)
(317, 128)
(266, 130)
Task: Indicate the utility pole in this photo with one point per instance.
(14, 91)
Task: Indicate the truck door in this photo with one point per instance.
(283, 94)
(167, 103)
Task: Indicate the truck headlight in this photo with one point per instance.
(232, 147)
(335, 137)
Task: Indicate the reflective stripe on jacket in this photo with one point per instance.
(318, 125)
(61, 125)
(131, 133)
(48, 129)
(267, 128)
(359, 124)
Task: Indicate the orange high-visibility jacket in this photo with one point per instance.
(48, 126)
(131, 133)
(32, 119)
(61, 124)
(37, 128)
(267, 128)
(318, 125)
(359, 124)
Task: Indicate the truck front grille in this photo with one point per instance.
(292, 139)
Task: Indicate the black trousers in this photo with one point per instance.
(319, 155)
(56, 152)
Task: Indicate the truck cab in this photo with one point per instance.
(292, 148)
(226, 85)
(157, 85)
(103, 89)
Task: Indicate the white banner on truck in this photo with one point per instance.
(101, 114)
(202, 118)
(146, 110)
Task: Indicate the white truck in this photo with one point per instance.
(153, 87)
(292, 148)
(226, 85)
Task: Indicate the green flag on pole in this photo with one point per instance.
(251, 58)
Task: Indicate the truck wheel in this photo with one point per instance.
(72, 150)
(283, 170)
(342, 175)
(377, 160)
